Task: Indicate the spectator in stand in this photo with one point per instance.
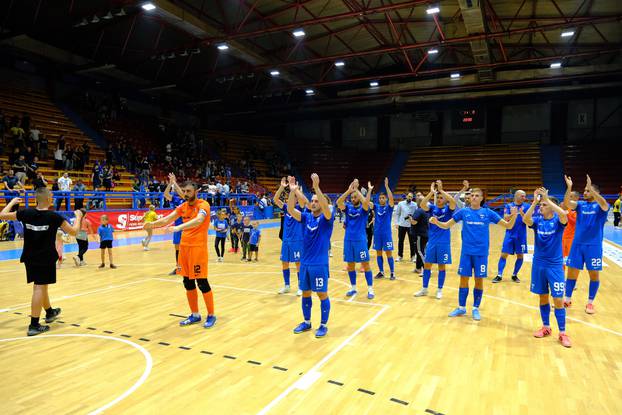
(14, 156)
(43, 147)
(25, 124)
(238, 187)
(244, 188)
(20, 167)
(58, 157)
(68, 157)
(12, 187)
(17, 134)
(226, 189)
(35, 135)
(29, 154)
(138, 187)
(64, 185)
(96, 177)
(32, 168)
(87, 153)
(107, 178)
(61, 142)
(39, 181)
(79, 187)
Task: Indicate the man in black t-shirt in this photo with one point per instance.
(39, 252)
(419, 231)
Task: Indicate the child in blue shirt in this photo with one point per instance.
(105, 231)
(254, 241)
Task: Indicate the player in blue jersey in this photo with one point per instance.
(383, 238)
(547, 271)
(355, 239)
(515, 240)
(438, 249)
(475, 244)
(587, 245)
(291, 246)
(172, 194)
(314, 273)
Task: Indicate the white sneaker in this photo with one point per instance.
(398, 259)
(299, 293)
(146, 248)
(439, 294)
(330, 254)
(76, 261)
(284, 290)
(421, 293)
(82, 263)
(413, 259)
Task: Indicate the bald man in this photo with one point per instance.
(515, 241)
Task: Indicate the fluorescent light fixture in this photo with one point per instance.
(374, 84)
(556, 65)
(95, 19)
(454, 76)
(148, 6)
(568, 33)
(309, 91)
(298, 33)
(433, 10)
(223, 46)
(340, 64)
(274, 72)
(108, 16)
(432, 51)
(120, 13)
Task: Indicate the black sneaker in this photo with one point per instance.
(515, 278)
(379, 275)
(497, 279)
(113, 266)
(392, 276)
(52, 316)
(38, 329)
(173, 272)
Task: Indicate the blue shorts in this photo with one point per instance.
(545, 276)
(514, 246)
(473, 265)
(355, 251)
(590, 255)
(177, 238)
(383, 242)
(291, 251)
(313, 278)
(438, 254)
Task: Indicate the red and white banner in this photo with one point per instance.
(128, 220)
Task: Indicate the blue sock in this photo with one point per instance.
(286, 276)
(380, 263)
(427, 273)
(477, 297)
(463, 293)
(325, 307)
(545, 311)
(570, 287)
(560, 316)
(369, 277)
(593, 289)
(441, 279)
(352, 275)
(517, 265)
(501, 266)
(391, 264)
(306, 308)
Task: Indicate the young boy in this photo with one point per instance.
(105, 231)
(150, 216)
(245, 237)
(221, 226)
(254, 241)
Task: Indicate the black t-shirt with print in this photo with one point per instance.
(40, 228)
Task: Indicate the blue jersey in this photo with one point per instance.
(315, 238)
(222, 226)
(175, 202)
(382, 219)
(292, 229)
(519, 231)
(475, 233)
(255, 234)
(356, 223)
(590, 222)
(438, 235)
(548, 241)
(105, 232)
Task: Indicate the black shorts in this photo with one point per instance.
(105, 244)
(253, 248)
(41, 274)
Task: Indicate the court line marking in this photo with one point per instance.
(132, 389)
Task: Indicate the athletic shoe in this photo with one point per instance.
(476, 315)
(439, 294)
(497, 279)
(243, 258)
(543, 332)
(567, 303)
(142, 242)
(398, 259)
(421, 293)
(52, 316)
(457, 312)
(515, 278)
(209, 322)
(330, 254)
(413, 259)
(419, 271)
(321, 331)
(351, 293)
(302, 327)
(76, 261)
(38, 329)
(589, 308)
(146, 248)
(284, 290)
(173, 272)
(190, 320)
(392, 276)
(102, 266)
(370, 294)
(379, 275)
(299, 293)
(565, 340)
(113, 266)
(83, 263)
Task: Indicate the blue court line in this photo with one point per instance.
(70, 248)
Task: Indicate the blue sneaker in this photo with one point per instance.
(302, 327)
(370, 295)
(190, 320)
(476, 315)
(209, 322)
(321, 331)
(351, 293)
(457, 312)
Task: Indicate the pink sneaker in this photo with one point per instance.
(565, 340)
(589, 308)
(543, 332)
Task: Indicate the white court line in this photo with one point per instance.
(136, 385)
(65, 297)
(313, 373)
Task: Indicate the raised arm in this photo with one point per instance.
(277, 196)
(6, 213)
(528, 217)
(570, 204)
(561, 213)
(597, 197)
(509, 224)
(446, 196)
(367, 200)
(426, 200)
(291, 200)
(444, 225)
(320, 196)
(75, 228)
(301, 198)
(389, 192)
(342, 199)
(162, 221)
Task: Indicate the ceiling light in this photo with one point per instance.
(374, 84)
(455, 76)
(556, 65)
(195, 51)
(432, 51)
(340, 64)
(568, 33)
(298, 33)
(309, 91)
(275, 72)
(82, 23)
(148, 6)
(95, 19)
(433, 10)
(184, 53)
(108, 16)
(120, 13)
(171, 55)
(223, 46)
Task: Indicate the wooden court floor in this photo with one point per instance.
(118, 347)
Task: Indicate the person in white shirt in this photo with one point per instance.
(58, 158)
(401, 217)
(64, 185)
